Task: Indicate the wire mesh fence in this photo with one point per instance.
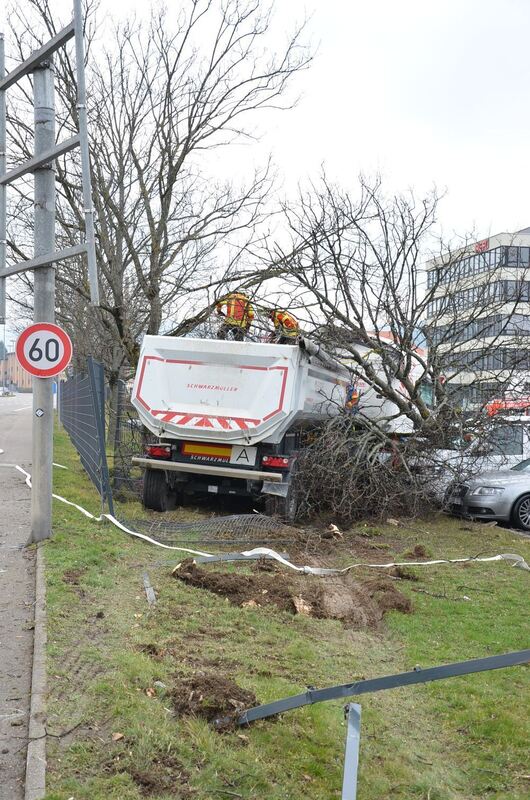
(82, 413)
(233, 529)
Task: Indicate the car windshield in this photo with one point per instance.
(522, 465)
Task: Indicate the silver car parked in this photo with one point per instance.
(502, 495)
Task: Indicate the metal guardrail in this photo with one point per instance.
(353, 710)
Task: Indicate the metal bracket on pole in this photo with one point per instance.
(351, 754)
(40, 161)
(47, 260)
(37, 57)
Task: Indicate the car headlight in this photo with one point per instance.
(486, 490)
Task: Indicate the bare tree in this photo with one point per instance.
(354, 270)
(163, 97)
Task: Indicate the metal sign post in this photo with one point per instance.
(39, 64)
(44, 301)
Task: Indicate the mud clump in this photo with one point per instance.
(387, 596)
(211, 696)
(357, 604)
(404, 573)
(419, 551)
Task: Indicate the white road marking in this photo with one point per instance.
(23, 408)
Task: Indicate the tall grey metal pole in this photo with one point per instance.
(44, 302)
(3, 164)
(90, 237)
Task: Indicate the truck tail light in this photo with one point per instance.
(158, 450)
(279, 462)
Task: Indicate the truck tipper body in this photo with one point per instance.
(229, 417)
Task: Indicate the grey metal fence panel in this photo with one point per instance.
(82, 413)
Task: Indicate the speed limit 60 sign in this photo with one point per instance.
(44, 349)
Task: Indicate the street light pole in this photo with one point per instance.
(44, 301)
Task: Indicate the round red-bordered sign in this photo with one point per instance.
(44, 349)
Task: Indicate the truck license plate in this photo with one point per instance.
(243, 456)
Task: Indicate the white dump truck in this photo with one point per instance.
(230, 417)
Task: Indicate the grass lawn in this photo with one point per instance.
(114, 732)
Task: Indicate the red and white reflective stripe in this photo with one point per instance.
(206, 421)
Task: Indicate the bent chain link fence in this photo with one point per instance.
(106, 431)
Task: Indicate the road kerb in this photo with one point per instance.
(35, 786)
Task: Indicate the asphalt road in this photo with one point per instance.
(17, 593)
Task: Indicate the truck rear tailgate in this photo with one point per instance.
(201, 389)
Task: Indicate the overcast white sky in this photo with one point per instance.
(424, 92)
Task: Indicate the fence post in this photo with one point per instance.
(351, 755)
(97, 386)
(59, 397)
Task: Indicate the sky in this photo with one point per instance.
(424, 93)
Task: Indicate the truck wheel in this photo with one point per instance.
(521, 513)
(157, 493)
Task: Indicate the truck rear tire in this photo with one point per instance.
(157, 494)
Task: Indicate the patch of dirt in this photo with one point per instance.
(266, 565)
(211, 696)
(359, 604)
(165, 774)
(155, 651)
(72, 576)
(419, 551)
(261, 589)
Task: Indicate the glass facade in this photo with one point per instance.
(494, 325)
(497, 359)
(498, 291)
(477, 263)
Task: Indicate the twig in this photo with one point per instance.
(443, 596)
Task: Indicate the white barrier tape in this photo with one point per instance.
(518, 561)
(114, 521)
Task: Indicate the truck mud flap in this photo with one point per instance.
(279, 489)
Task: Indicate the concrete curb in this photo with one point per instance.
(35, 787)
